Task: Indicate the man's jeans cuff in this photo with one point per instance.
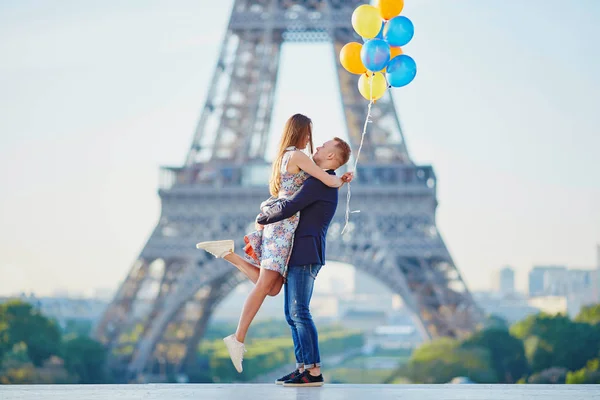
(299, 365)
(311, 366)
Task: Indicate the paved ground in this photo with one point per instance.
(327, 392)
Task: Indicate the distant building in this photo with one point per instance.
(512, 308)
(365, 284)
(536, 282)
(393, 337)
(560, 290)
(365, 320)
(370, 294)
(325, 306)
(550, 304)
(581, 290)
(580, 280)
(505, 281)
(340, 286)
(548, 281)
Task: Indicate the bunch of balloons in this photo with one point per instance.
(384, 32)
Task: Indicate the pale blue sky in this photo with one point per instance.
(96, 95)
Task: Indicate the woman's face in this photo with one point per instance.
(304, 141)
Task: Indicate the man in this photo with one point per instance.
(317, 204)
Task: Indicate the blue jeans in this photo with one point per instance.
(298, 291)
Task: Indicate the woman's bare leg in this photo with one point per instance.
(253, 272)
(254, 301)
(277, 285)
(250, 270)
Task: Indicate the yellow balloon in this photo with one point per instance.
(389, 9)
(366, 21)
(379, 86)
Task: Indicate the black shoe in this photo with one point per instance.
(305, 379)
(289, 376)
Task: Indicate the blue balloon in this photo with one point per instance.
(379, 35)
(401, 71)
(399, 31)
(375, 54)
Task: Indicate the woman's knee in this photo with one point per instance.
(276, 288)
(266, 280)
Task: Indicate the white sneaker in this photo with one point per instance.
(219, 248)
(236, 351)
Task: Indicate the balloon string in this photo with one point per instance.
(362, 139)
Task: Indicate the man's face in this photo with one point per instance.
(325, 152)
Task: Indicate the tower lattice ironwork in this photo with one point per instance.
(162, 308)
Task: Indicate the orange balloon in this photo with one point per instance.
(389, 9)
(395, 52)
(350, 58)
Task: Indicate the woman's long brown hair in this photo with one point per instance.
(296, 128)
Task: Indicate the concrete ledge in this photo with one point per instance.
(274, 392)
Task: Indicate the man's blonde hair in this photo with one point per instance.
(343, 151)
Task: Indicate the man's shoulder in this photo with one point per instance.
(319, 190)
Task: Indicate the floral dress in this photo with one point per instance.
(271, 247)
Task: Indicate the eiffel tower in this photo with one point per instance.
(162, 308)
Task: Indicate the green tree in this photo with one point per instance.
(506, 351)
(77, 327)
(588, 375)
(494, 321)
(589, 314)
(556, 341)
(18, 354)
(550, 376)
(86, 359)
(4, 340)
(20, 322)
(25, 374)
(441, 360)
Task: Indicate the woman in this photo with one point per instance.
(268, 249)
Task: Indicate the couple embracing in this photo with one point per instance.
(287, 250)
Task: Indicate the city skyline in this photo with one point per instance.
(93, 107)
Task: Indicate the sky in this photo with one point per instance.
(95, 96)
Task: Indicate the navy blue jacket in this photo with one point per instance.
(317, 203)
